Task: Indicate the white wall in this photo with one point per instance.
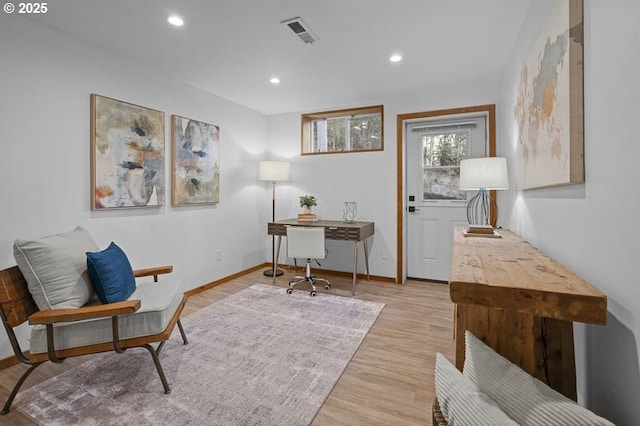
(591, 228)
(45, 83)
(367, 178)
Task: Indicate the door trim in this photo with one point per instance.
(490, 109)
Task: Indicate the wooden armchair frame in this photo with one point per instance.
(17, 306)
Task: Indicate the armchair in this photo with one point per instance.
(148, 316)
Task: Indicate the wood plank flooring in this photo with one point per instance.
(390, 380)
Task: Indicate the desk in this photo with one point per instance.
(333, 230)
(521, 303)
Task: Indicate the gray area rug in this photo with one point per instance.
(257, 357)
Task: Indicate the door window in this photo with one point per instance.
(442, 152)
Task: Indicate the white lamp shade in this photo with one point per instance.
(273, 171)
(484, 173)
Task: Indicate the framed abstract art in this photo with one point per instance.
(196, 162)
(127, 155)
(549, 110)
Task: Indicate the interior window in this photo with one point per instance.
(349, 130)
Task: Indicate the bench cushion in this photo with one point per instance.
(55, 268)
(461, 403)
(159, 302)
(524, 398)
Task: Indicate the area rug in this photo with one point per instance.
(257, 357)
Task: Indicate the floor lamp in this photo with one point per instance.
(483, 174)
(273, 171)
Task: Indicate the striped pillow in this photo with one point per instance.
(524, 398)
(461, 402)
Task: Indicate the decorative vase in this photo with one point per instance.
(350, 211)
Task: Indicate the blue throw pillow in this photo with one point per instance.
(111, 274)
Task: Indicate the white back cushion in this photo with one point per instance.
(305, 242)
(524, 398)
(55, 268)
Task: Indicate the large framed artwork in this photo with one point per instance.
(127, 155)
(196, 162)
(549, 110)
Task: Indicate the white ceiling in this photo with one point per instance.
(232, 47)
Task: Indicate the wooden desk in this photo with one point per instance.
(521, 303)
(333, 230)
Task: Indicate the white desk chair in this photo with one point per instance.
(306, 243)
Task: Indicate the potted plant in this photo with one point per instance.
(308, 201)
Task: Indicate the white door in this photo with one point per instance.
(435, 204)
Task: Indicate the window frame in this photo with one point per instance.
(307, 119)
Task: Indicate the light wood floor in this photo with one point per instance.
(390, 380)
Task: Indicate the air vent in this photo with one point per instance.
(300, 29)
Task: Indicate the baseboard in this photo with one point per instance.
(267, 265)
(223, 280)
(359, 276)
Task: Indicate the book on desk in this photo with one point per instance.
(307, 217)
(476, 230)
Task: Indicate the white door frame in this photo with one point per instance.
(401, 202)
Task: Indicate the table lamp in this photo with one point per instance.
(483, 174)
(273, 171)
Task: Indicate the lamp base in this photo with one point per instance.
(269, 272)
(482, 209)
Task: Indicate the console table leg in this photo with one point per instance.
(543, 347)
(366, 257)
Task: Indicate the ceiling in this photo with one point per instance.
(233, 47)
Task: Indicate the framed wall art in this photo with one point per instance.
(196, 162)
(127, 155)
(549, 110)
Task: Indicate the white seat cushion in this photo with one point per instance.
(158, 303)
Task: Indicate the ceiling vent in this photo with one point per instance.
(298, 26)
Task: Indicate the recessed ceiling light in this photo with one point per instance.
(395, 58)
(274, 80)
(175, 20)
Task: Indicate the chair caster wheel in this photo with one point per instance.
(327, 287)
(289, 291)
(313, 293)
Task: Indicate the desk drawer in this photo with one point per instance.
(333, 230)
(339, 233)
(276, 229)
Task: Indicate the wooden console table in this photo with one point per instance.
(333, 230)
(521, 303)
